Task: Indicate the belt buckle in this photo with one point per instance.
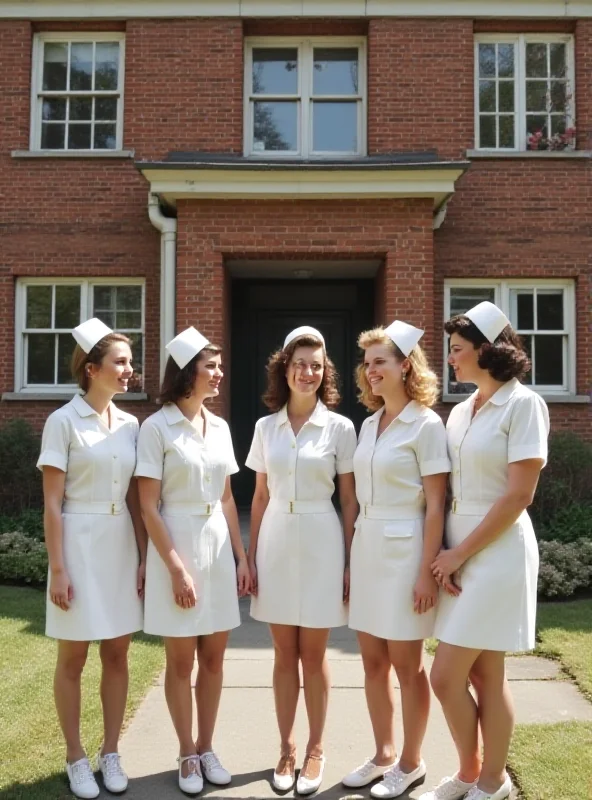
(291, 506)
(208, 509)
(454, 505)
(113, 508)
(365, 509)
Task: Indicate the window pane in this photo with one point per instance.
(275, 71)
(525, 311)
(106, 108)
(505, 54)
(536, 95)
(536, 123)
(107, 66)
(54, 108)
(335, 70)
(275, 126)
(548, 360)
(81, 108)
(527, 344)
(39, 306)
(506, 95)
(550, 311)
(558, 60)
(79, 136)
(52, 136)
(105, 137)
(506, 131)
(558, 95)
(536, 61)
(462, 298)
(55, 66)
(557, 124)
(487, 96)
(129, 298)
(66, 346)
(40, 357)
(103, 298)
(108, 317)
(128, 319)
(487, 131)
(335, 127)
(67, 306)
(81, 66)
(487, 60)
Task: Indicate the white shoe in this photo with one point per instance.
(504, 791)
(82, 780)
(114, 777)
(193, 783)
(365, 774)
(396, 781)
(213, 770)
(448, 789)
(311, 774)
(284, 779)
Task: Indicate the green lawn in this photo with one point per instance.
(31, 750)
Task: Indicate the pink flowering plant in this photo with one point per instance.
(542, 139)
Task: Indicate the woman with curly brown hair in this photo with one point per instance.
(298, 553)
(497, 440)
(401, 467)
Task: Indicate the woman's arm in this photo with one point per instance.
(60, 588)
(133, 503)
(349, 512)
(425, 591)
(182, 583)
(258, 506)
(231, 515)
(523, 477)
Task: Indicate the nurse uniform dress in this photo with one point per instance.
(388, 542)
(300, 555)
(497, 607)
(99, 544)
(193, 470)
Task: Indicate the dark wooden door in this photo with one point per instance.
(263, 312)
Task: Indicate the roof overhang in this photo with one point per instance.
(174, 181)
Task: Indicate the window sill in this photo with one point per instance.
(72, 153)
(548, 398)
(128, 397)
(577, 154)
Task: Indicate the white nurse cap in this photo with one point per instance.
(405, 336)
(303, 330)
(489, 319)
(89, 333)
(186, 345)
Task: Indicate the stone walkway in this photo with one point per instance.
(246, 735)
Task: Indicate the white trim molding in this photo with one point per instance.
(135, 9)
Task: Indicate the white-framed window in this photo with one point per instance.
(48, 309)
(524, 92)
(305, 97)
(77, 91)
(541, 311)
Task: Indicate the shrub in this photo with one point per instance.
(565, 569)
(570, 523)
(20, 480)
(29, 522)
(22, 558)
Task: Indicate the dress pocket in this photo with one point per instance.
(397, 542)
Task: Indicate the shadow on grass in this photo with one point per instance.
(574, 616)
(54, 788)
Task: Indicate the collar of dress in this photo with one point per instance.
(318, 417)
(502, 395)
(84, 410)
(409, 414)
(174, 415)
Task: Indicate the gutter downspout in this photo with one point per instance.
(168, 259)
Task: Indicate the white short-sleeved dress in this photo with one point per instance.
(193, 470)
(497, 607)
(300, 550)
(99, 545)
(388, 542)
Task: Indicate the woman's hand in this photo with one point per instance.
(243, 577)
(184, 589)
(446, 563)
(346, 582)
(425, 592)
(141, 579)
(60, 589)
(253, 576)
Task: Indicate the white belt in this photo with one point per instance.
(191, 509)
(467, 508)
(75, 507)
(302, 506)
(391, 512)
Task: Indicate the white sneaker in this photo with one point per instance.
(213, 769)
(448, 789)
(284, 775)
(504, 791)
(365, 774)
(396, 781)
(114, 777)
(193, 783)
(82, 780)
(311, 774)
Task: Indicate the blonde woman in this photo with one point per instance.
(401, 467)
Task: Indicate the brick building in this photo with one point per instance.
(249, 166)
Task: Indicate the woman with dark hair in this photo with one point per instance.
(298, 552)
(96, 545)
(497, 441)
(185, 460)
